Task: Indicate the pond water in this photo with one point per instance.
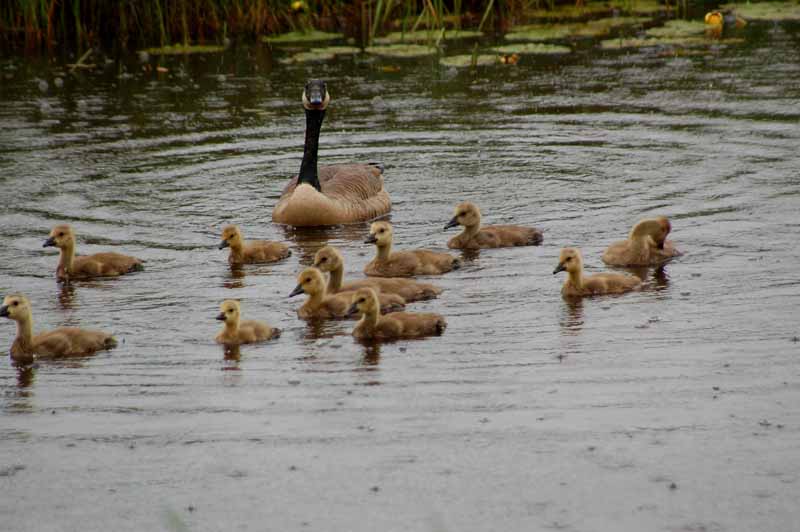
(675, 408)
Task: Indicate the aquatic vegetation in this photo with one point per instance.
(592, 28)
(296, 37)
(540, 32)
(469, 60)
(402, 50)
(572, 12)
(532, 48)
(678, 29)
(185, 49)
(422, 36)
(766, 10)
(604, 26)
(686, 42)
(321, 54)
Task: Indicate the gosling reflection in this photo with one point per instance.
(571, 321)
(654, 277)
(235, 278)
(372, 355)
(470, 255)
(231, 353)
(308, 240)
(26, 374)
(66, 296)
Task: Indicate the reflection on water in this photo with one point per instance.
(308, 240)
(26, 374)
(571, 320)
(235, 277)
(372, 355)
(66, 296)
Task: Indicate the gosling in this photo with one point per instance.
(251, 251)
(373, 326)
(87, 266)
(647, 245)
(336, 306)
(237, 331)
(579, 285)
(474, 236)
(328, 259)
(404, 263)
(62, 342)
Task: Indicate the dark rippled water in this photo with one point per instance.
(675, 408)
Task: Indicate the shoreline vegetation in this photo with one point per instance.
(134, 24)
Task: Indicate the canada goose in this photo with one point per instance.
(251, 251)
(328, 259)
(86, 266)
(646, 245)
(404, 263)
(491, 236)
(392, 326)
(63, 342)
(578, 284)
(322, 305)
(337, 194)
(237, 331)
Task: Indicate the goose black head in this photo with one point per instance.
(315, 95)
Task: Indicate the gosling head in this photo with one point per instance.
(316, 96)
(309, 281)
(380, 234)
(15, 307)
(364, 301)
(714, 18)
(229, 311)
(660, 236)
(328, 259)
(230, 234)
(61, 237)
(467, 214)
(570, 261)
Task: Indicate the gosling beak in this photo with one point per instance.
(221, 316)
(559, 268)
(4, 311)
(50, 242)
(223, 244)
(370, 239)
(660, 245)
(353, 309)
(297, 290)
(451, 223)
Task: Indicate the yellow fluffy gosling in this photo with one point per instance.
(62, 342)
(579, 285)
(237, 331)
(87, 266)
(251, 251)
(646, 245)
(404, 263)
(468, 215)
(373, 326)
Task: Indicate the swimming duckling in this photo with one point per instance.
(85, 266)
(491, 236)
(723, 22)
(328, 259)
(392, 326)
(591, 285)
(646, 245)
(238, 332)
(251, 251)
(322, 305)
(337, 194)
(62, 342)
(404, 263)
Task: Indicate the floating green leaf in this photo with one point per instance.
(532, 48)
(540, 32)
(426, 36)
(296, 37)
(401, 50)
(464, 61)
(686, 42)
(766, 10)
(180, 49)
(678, 29)
(321, 54)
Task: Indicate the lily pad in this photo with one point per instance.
(686, 42)
(593, 28)
(464, 61)
(418, 36)
(180, 49)
(319, 55)
(402, 50)
(639, 7)
(593, 9)
(604, 26)
(540, 32)
(678, 29)
(295, 37)
(532, 48)
(767, 10)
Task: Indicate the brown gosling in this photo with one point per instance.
(251, 251)
(237, 331)
(337, 306)
(578, 285)
(87, 266)
(373, 326)
(404, 263)
(62, 342)
(647, 245)
(474, 236)
(328, 259)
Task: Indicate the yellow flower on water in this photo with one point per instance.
(298, 5)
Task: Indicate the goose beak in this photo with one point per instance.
(223, 244)
(297, 290)
(559, 268)
(4, 311)
(660, 245)
(353, 309)
(451, 223)
(221, 316)
(371, 239)
(50, 242)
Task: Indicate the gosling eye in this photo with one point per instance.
(15, 303)
(60, 234)
(362, 300)
(568, 259)
(324, 259)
